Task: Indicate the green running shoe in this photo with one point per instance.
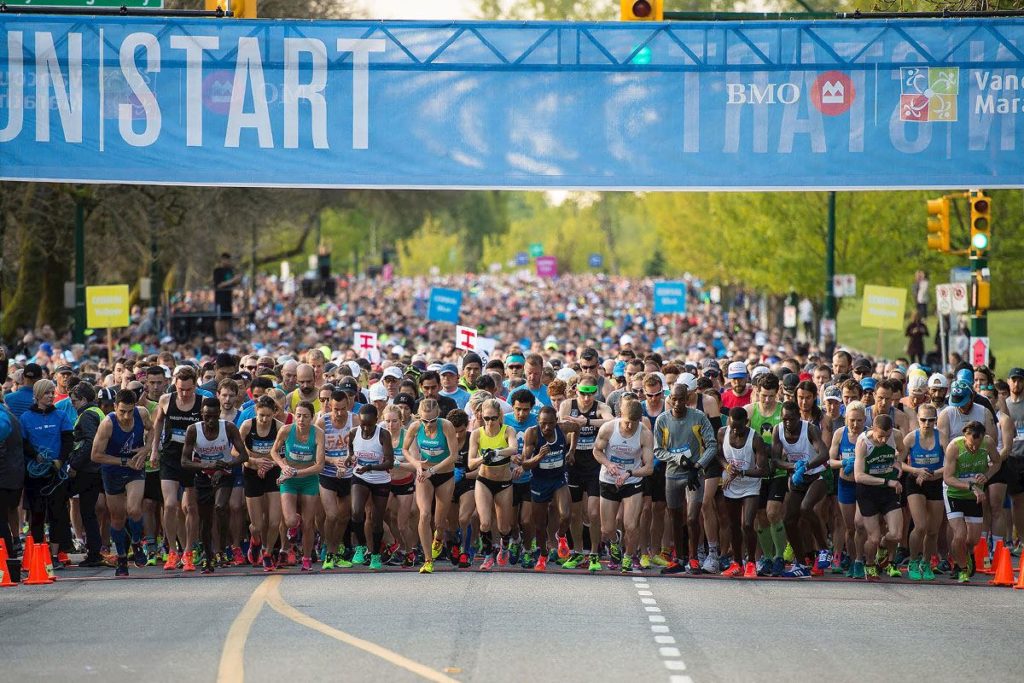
(595, 563)
(328, 562)
(615, 552)
(788, 555)
(926, 571)
(573, 561)
(375, 562)
(858, 571)
(964, 576)
(894, 571)
(914, 570)
(627, 564)
(871, 573)
(359, 557)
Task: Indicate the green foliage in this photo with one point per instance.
(431, 247)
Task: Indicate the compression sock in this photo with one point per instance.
(586, 536)
(764, 537)
(120, 539)
(488, 541)
(778, 532)
(467, 539)
(135, 529)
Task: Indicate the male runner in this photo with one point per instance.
(545, 447)
(879, 459)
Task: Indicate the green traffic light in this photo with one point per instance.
(979, 241)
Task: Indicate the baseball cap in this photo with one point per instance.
(32, 371)
(392, 372)
(790, 381)
(939, 381)
(243, 376)
(106, 395)
(378, 392)
(1016, 372)
(448, 369)
(737, 369)
(960, 394)
(404, 400)
(688, 380)
(917, 383)
(625, 340)
(354, 367)
(868, 384)
(63, 368)
(833, 393)
(565, 374)
(348, 385)
(862, 364)
(620, 369)
(758, 371)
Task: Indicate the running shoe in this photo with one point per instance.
(615, 553)
(816, 571)
(268, 562)
(464, 561)
(328, 562)
(514, 551)
(662, 559)
(528, 560)
(764, 566)
(410, 559)
(307, 563)
(122, 567)
(926, 572)
(693, 567)
(207, 566)
(237, 558)
(734, 569)
(542, 563)
(627, 564)
(138, 555)
(172, 561)
(340, 562)
(293, 533)
(902, 556)
(871, 573)
(797, 571)
(645, 561)
(674, 568)
(188, 562)
(253, 552)
(573, 561)
(788, 555)
(563, 548)
(151, 557)
(914, 570)
(291, 557)
(942, 567)
(963, 576)
(360, 555)
(882, 558)
(845, 564)
(502, 558)
(778, 567)
(396, 558)
(824, 560)
(375, 562)
(427, 567)
(894, 571)
(750, 571)
(435, 549)
(710, 565)
(91, 561)
(595, 563)
(488, 563)
(859, 571)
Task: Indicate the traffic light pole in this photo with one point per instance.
(979, 318)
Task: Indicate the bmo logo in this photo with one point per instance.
(832, 93)
(767, 93)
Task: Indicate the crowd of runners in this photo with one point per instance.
(597, 436)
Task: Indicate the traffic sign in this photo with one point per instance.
(522, 259)
(144, 4)
(979, 351)
(596, 260)
(959, 296)
(844, 285)
(944, 299)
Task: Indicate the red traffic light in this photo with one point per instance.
(981, 206)
(642, 9)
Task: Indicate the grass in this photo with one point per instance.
(1006, 332)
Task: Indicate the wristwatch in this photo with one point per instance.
(124, 461)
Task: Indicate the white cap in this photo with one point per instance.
(378, 392)
(565, 374)
(737, 369)
(354, 367)
(917, 383)
(398, 350)
(625, 339)
(758, 371)
(392, 371)
(938, 380)
(688, 380)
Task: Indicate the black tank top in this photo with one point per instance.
(462, 457)
(261, 444)
(177, 421)
(586, 436)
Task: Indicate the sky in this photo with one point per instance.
(417, 9)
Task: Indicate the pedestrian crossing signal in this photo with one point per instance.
(240, 9)
(642, 10)
(938, 224)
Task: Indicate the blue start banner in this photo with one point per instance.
(734, 105)
(444, 305)
(670, 297)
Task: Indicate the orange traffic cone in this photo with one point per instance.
(982, 563)
(26, 556)
(44, 549)
(37, 572)
(1003, 568)
(1020, 579)
(5, 579)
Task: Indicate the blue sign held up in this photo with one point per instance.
(444, 305)
(522, 259)
(596, 261)
(670, 297)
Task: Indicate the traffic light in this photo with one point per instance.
(642, 10)
(938, 224)
(981, 290)
(981, 224)
(240, 9)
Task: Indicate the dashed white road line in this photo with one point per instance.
(671, 657)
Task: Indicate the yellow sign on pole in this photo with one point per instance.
(883, 307)
(106, 306)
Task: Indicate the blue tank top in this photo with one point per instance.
(122, 444)
(930, 459)
(847, 449)
(300, 453)
(432, 449)
(552, 465)
(521, 428)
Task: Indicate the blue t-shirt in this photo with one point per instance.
(460, 396)
(541, 394)
(521, 428)
(19, 400)
(43, 430)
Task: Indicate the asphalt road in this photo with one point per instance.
(469, 626)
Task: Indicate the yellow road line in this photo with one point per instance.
(232, 658)
(274, 599)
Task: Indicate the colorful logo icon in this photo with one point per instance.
(832, 93)
(929, 93)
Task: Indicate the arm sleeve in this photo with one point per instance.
(660, 446)
(707, 436)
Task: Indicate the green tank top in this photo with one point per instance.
(968, 466)
(300, 453)
(765, 426)
(880, 459)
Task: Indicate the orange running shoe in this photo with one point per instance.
(563, 548)
(172, 561)
(188, 565)
(733, 570)
(750, 571)
(238, 559)
(542, 563)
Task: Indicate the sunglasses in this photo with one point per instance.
(490, 418)
(654, 395)
(515, 367)
(588, 367)
(428, 422)
(926, 420)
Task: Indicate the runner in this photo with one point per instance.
(260, 474)
(299, 452)
(765, 414)
(403, 486)
(842, 458)
(121, 447)
(625, 449)
(522, 418)
(207, 451)
(336, 479)
(923, 476)
(550, 482)
(463, 496)
(738, 395)
(372, 454)
(1014, 406)
(964, 475)
(744, 457)
(431, 446)
(878, 461)
(491, 448)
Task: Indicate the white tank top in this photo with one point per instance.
(336, 446)
(624, 452)
(742, 458)
(957, 420)
(801, 450)
(370, 452)
(212, 450)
